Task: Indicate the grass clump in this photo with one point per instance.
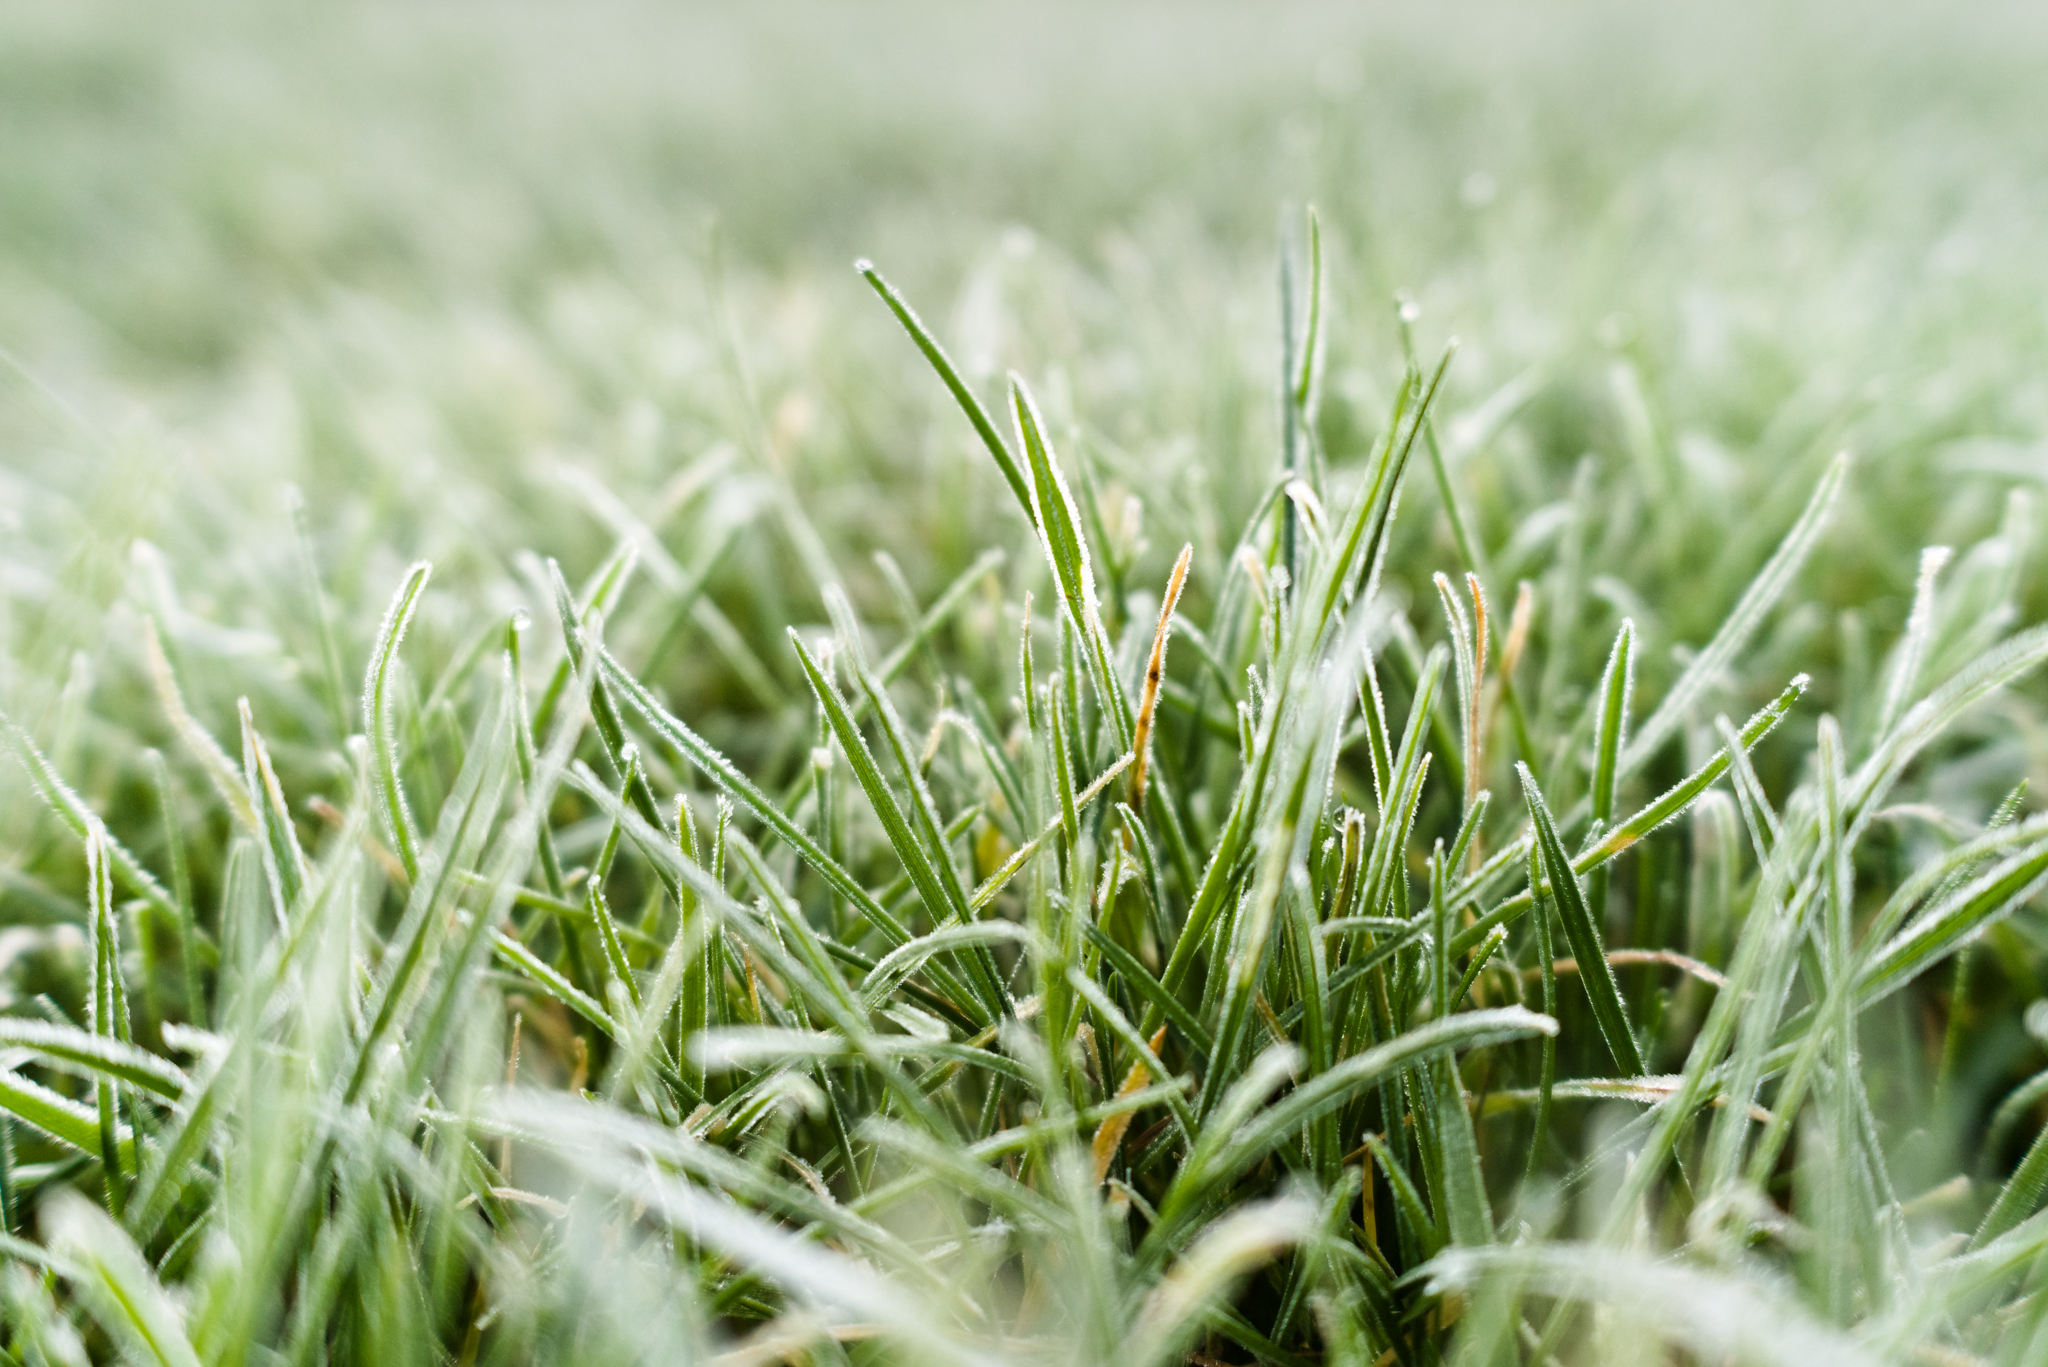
(687, 841)
(1222, 971)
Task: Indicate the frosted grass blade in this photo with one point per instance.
(1583, 935)
(377, 722)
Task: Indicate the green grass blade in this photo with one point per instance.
(1165, 1003)
(1669, 806)
(1215, 1161)
(984, 426)
(912, 853)
(524, 961)
(377, 714)
(1127, 1034)
(181, 889)
(1583, 935)
(1941, 930)
(96, 1054)
(117, 1285)
(1743, 619)
(1610, 735)
(220, 770)
(55, 1115)
(284, 863)
(1066, 550)
(735, 785)
(103, 1011)
(72, 810)
(2020, 1195)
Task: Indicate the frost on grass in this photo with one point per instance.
(788, 903)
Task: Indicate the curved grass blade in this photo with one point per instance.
(1715, 1317)
(117, 1286)
(1217, 1160)
(220, 770)
(72, 810)
(377, 723)
(55, 1115)
(95, 1054)
(1176, 1309)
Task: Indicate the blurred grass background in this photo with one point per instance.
(414, 260)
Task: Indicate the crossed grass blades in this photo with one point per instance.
(1256, 1008)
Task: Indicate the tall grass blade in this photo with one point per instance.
(377, 718)
(1583, 935)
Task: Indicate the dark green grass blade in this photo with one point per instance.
(1583, 936)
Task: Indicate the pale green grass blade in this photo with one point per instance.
(125, 1299)
(105, 1013)
(377, 716)
(1941, 930)
(1911, 651)
(1241, 1241)
(95, 1054)
(1358, 551)
(943, 607)
(581, 633)
(1999, 667)
(1712, 1315)
(181, 889)
(456, 845)
(220, 770)
(284, 862)
(73, 811)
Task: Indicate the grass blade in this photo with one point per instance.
(1743, 619)
(377, 723)
(1583, 936)
(984, 426)
(1066, 550)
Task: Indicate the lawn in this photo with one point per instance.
(1134, 683)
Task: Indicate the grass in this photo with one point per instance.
(589, 785)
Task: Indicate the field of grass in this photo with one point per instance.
(1376, 697)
